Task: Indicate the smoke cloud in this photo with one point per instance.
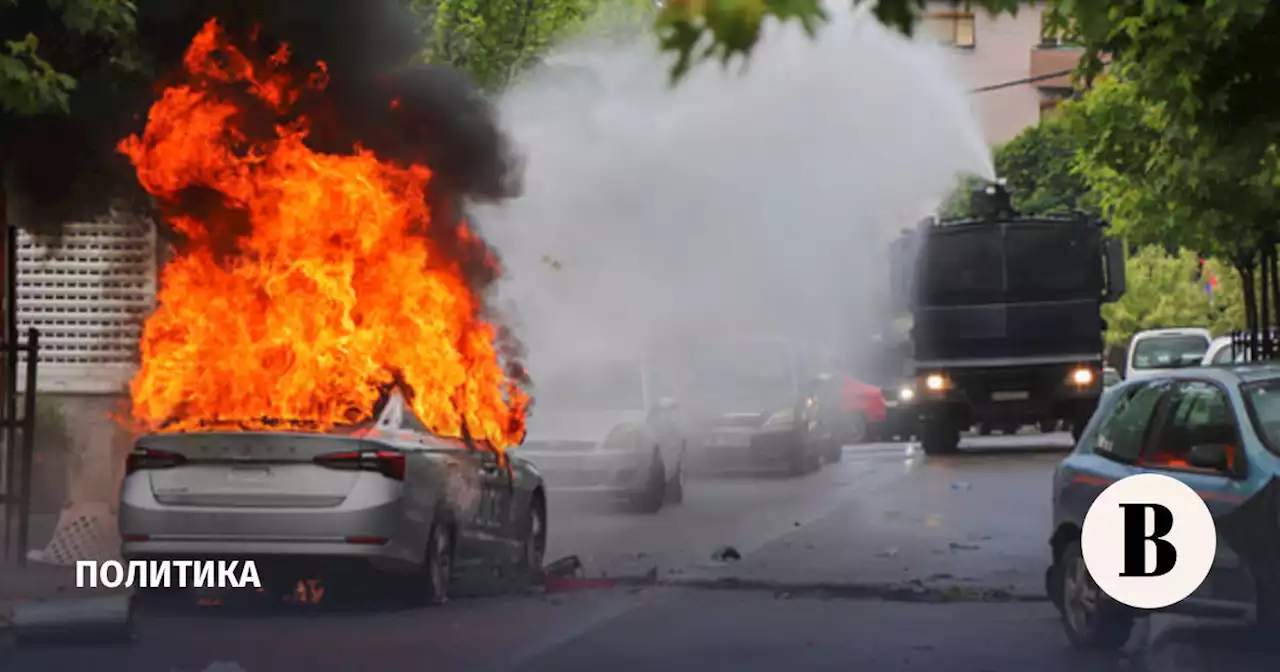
(757, 199)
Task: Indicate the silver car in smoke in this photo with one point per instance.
(387, 496)
(600, 429)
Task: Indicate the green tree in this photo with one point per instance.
(1166, 290)
(495, 40)
(61, 64)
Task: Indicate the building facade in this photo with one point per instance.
(1004, 51)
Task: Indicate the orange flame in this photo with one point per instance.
(334, 292)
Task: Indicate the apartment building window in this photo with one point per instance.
(954, 29)
(1051, 37)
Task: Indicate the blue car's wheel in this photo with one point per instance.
(1090, 619)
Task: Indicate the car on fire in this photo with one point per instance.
(754, 404)
(387, 495)
(1218, 431)
(602, 429)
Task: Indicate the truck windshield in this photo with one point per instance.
(1038, 261)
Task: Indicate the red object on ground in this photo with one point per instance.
(857, 396)
(569, 585)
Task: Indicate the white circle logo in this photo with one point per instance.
(1148, 541)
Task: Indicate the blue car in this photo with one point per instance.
(1218, 431)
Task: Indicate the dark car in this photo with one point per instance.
(1218, 431)
(753, 405)
(387, 497)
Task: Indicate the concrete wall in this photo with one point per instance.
(99, 444)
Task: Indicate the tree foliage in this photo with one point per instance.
(1168, 290)
(64, 68)
(495, 40)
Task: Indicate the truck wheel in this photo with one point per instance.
(984, 429)
(1047, 426)
(939, 437)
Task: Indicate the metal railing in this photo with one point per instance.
(19, 429)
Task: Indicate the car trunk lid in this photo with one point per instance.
(250, 469)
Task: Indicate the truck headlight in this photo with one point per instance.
(1082, 376)
(781, 419)
(936, 382)
(906, 394)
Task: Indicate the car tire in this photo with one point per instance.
(533, 539)
(650, 499)
(857, 430)
(437, 567)
(675, 485)
(1267, 616)
(939, 438)
(835, 452)
(1089, 618)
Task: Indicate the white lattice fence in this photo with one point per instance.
(88, 297)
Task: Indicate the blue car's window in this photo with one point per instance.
(1120, 434)
(1263, 398)
(1200, 413)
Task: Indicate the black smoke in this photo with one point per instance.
(380, 97)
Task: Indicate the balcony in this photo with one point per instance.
(1050, 58)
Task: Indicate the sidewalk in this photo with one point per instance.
(38, 582)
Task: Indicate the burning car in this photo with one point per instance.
(323, 379)
(385, 495)
(753, 405)
(602, 430)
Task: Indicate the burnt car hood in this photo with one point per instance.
(1253, 532)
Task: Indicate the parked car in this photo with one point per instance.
(1110, 377)
(385, 496)
(1218, 431)
(1158, 350)
(602, 429)
(754, 404)
(861, 413)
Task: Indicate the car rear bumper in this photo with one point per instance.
(364, 526)
(762, 450)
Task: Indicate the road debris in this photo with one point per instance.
(961, 485)
(955, 546)
(887, 553)
(567, 575)
(726, 554)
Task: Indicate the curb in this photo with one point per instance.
(888, 592)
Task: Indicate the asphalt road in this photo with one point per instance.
(820, 584)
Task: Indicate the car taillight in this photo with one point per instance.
(147, 458)
(389, 463)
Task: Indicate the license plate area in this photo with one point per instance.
(731, 440)
(249, 472)
(1011, 395)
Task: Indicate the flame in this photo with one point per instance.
(337, 287)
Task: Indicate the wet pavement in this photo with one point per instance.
(816, 556)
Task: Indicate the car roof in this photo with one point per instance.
(1230, 374)
(1174, 331)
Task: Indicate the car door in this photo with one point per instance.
(1111, 450)
(1201, 412)
(485, 486)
